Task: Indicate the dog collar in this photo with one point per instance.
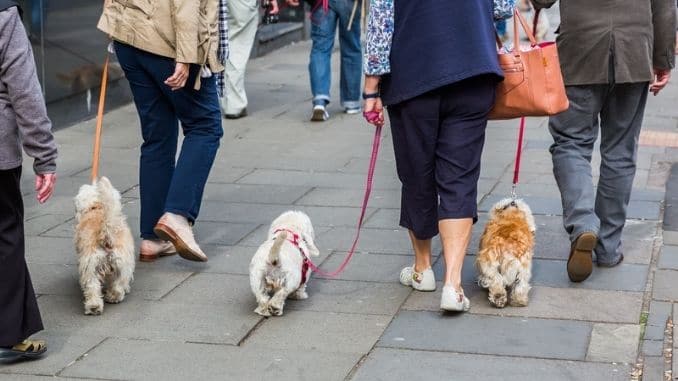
(296, 241)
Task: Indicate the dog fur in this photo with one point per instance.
(104, 244)
(504, 260)
(275, 269)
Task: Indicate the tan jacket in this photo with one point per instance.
(185, 30)
(636, 35)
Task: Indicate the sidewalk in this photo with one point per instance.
(189, 321)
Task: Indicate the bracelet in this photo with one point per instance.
(371, 95)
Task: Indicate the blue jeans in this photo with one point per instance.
(166, 185)
(323, 29)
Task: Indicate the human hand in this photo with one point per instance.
(274, 7)
(178, 79)
(293, 3)
(374, 111)
(661, 79)
(44, 185)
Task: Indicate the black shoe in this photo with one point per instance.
(239, 115)
(580, 262)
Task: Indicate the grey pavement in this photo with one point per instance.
(187, 321)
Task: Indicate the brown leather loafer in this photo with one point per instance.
(580, 263)
(150, 250)
(175, 228)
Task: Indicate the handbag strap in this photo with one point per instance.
(100, 120)
(517, 19)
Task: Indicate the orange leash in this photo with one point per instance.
(100, 121)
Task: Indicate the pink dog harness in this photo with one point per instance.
(295, 240)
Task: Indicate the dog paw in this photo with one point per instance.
(299, 295)
(498, 300)
(262, 310)
(275, 310)
(94, 307)
(114, 297)
(518, 301)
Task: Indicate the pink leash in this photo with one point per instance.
(368, 190)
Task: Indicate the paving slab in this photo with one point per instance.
(653, 369)
(614, 343)
(665, 285)
(41, 223)
(385, 241)
(64, 280)
(385, 364)
(135, 318)
(552, 273)
(319, 331)
(146, 360)
(27, 377)
(50, 250)
(380, 198)
(322, 179)
(548, 303)
(260, 194)
(384, 219)
(652, 347)
(351, 297)
(479, 334)
(370, 267)
(668, 258)
(63, 350)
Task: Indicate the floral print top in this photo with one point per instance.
(378, 37)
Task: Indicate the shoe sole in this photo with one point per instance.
(164, 232)
(318, 116)
(153, 257)
(454, 308)
(580, 263)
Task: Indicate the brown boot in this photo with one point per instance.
(175, 228)
(580, 263)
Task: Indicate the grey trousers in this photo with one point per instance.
(617, 110)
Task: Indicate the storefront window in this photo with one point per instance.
(69, 54)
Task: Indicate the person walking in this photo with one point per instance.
(438, 104)
(243, 19)
(326, 18)
(23, 122)
(612, 52)
(168, 59)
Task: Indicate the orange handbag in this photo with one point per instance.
(533, 84)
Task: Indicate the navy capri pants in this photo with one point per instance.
(438, 139)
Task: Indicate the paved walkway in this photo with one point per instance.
(187, 321)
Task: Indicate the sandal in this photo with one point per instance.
(25, 350)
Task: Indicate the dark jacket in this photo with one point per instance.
(437, 43)
(637, 35)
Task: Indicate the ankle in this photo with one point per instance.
(421, 267)
(455, 285)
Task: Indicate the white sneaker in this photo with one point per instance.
(451, 300)
(420, 281)
(352, 110)
(320, 114)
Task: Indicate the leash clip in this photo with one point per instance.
(513, 194)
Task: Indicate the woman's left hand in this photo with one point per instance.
(274, 7)
(178, 79)
(373, 109)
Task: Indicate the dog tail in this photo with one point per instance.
(274, 254)
(109, 196)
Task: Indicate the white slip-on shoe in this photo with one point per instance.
(420, 281)
(451, 300)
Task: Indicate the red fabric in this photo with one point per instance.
(519, 151)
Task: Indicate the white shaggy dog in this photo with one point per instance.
(104, 245)
(278, 269)
(505, 257)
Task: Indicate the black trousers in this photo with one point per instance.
(438, 139)
(19, 314)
